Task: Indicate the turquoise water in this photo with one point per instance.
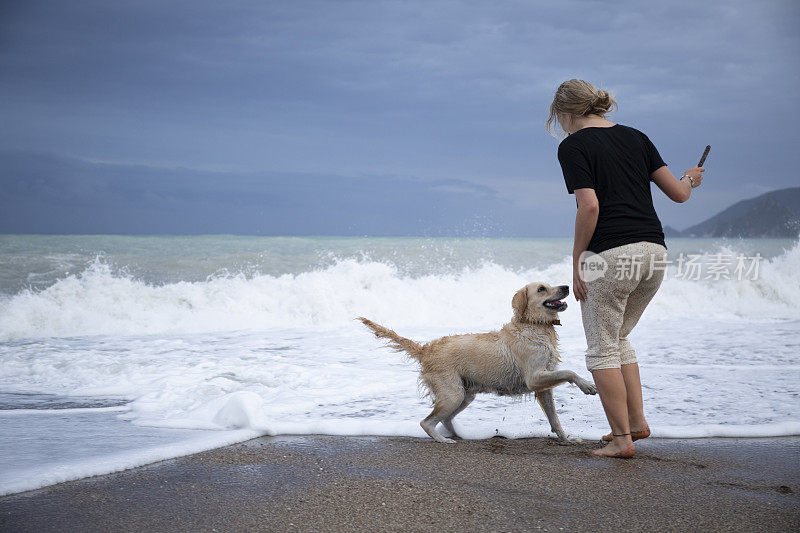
(38, 261)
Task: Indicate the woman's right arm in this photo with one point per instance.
(677, 190)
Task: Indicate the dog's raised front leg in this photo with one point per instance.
(545, 399)
(547, 379)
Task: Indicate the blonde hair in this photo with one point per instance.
(579, 98)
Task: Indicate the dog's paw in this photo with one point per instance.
(566, 441)
(447, 441)
(586, 387)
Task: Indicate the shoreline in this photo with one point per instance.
(319, 482)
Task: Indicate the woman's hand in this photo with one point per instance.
(675, 189)
(697, 175)
(578, 286)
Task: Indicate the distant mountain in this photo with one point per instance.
(774, 214)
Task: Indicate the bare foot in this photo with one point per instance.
(617, 448)
(635, 435)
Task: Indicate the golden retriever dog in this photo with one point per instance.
(519, 359)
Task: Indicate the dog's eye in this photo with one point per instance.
(541, 288)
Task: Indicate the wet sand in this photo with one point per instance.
(325, 483)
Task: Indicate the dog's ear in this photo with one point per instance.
(520, 302)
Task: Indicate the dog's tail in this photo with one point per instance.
(396, 342)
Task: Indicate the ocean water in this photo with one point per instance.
(116, 351)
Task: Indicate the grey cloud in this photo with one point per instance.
(50, 194)
(435, 90)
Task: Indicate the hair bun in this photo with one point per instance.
(578, 98)
(602, 101)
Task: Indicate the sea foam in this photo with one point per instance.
(204, 363)
(101, 301)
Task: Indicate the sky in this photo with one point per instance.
(374, 117)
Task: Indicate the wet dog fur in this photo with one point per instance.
(518, 359)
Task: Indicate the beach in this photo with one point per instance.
(249, 250)
(330, 483)
(121, 351)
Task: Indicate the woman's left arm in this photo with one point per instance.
(585, 222)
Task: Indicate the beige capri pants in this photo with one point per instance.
(615, 301)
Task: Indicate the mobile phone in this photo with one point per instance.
(705, 154)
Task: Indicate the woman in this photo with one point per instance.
(609, 168)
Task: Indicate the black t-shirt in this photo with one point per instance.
(616, 162)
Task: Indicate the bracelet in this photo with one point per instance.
(691, 179)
